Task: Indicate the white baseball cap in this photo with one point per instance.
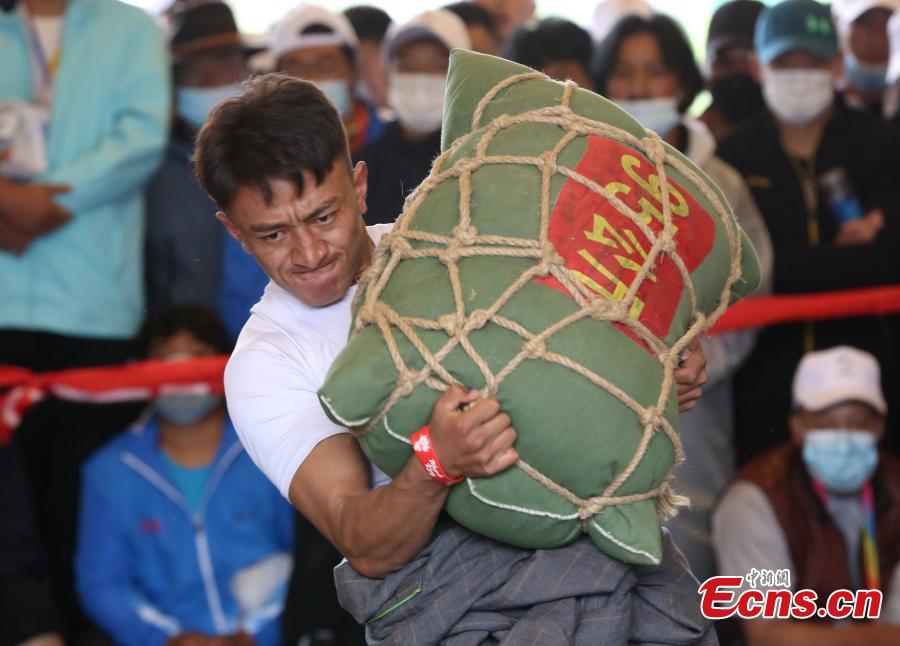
(893, 29)
(846, 12)
(438, 24)
(841, 374)
(609, 12)
(287, 34)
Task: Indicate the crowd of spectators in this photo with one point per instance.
(148, 523)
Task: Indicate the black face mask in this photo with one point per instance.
(8, 5)
(738, 97)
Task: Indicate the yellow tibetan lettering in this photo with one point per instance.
(603, 227)
(620, 291)
(630, 164)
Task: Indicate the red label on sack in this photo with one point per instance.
(605, 249)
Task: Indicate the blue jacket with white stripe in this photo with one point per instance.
(149, 567)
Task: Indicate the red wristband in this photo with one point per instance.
(424, 450)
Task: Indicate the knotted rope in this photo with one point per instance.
(466, 242)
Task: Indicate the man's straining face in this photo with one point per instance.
(315, 244)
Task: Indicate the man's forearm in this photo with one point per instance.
(381, 530)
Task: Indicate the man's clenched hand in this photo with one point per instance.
(476, 441)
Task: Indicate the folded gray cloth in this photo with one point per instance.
(463, 589)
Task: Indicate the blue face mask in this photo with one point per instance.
(195, 103)
(843, 460)
(185, 409)
(338, 92)
(868, 78)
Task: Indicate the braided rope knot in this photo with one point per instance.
(654, 147)
(478, 319)
(667, 245)
(452, 324)
(465, 235)
(399, 244)
(650, 417)
(535, 348)
(406, 383)
(584, 514)
(451, 253)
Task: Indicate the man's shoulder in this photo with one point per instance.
(377, 231)
(275, 340)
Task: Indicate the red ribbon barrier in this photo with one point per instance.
(111, 384)
(761, 312)
(148, 379)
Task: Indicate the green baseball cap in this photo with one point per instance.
(795, 25)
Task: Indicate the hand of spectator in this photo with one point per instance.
(12, 239)
(477, 441)
(31, 208)
(196, 639)
(239, 639)
(861, 230)
(691, 376)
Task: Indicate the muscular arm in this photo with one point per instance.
(380, 530)
(377, 530)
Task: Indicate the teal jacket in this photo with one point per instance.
(109, 124)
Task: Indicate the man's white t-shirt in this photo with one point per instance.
(279, 363)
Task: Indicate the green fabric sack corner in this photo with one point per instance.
(558, 258)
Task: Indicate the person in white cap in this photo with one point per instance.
(608, 13)
(825, 505)
(318, 45)
(862, 31)
(418, 54)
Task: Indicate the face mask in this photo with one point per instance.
(185, 409)
(418, 100)
(338, 92)
(738, 97)
(798, 96)
(195, 103)
(842, 459)
(658, 115)
(868, 78)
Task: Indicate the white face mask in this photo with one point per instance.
(195, 103)
(797, 96)
(338, 92)
(658, 115)
(418, 100)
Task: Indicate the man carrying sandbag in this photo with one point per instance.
(275, 160)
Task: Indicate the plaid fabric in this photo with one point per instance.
(472, 590)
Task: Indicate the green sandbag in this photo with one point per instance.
(538, 263)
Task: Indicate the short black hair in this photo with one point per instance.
(673, 44)
(550, 40)
(201, 322)
(473, 15)
(369, 23)
(276, 128)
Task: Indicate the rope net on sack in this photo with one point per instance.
(467, 242)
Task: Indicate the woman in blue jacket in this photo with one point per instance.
(181, 537)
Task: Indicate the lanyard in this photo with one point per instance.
(869, 545)
(45, 66)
